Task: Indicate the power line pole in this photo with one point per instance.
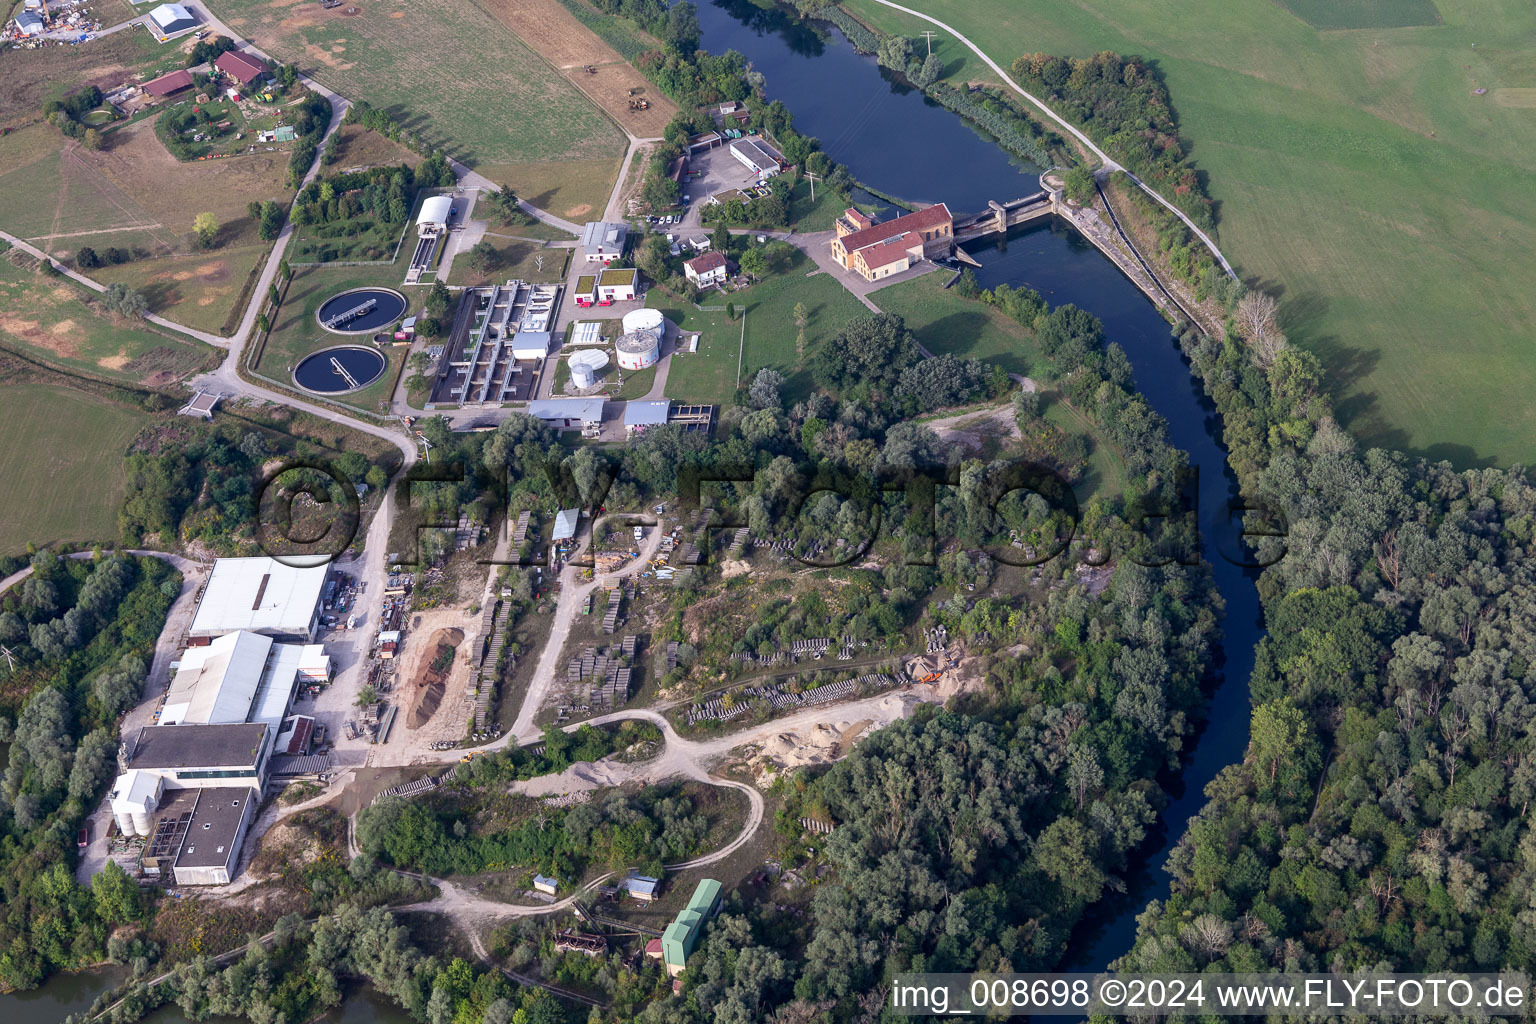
(812, 179)
(929, 36)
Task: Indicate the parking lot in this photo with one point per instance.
(721, 172)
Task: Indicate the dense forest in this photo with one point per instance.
(1123, 104)
(82, 633)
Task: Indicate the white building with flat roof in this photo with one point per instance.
(261, 595)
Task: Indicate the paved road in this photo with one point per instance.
(1108, 164)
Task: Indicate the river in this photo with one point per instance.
(899, 142)
(868, 121)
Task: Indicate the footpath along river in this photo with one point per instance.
(868, 121)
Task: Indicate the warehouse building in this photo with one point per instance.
(641, 416)
(241, 677)
(757, 156)
(261, 595)
(29, 23)
(568, 413)
(169, 19)
(602, 242)
(197, 836)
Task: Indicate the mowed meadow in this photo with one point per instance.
(446, 71)
(1359, 175)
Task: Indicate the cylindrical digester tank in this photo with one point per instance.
(638, 349)
(643, 320)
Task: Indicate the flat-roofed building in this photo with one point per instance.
(261, 595)
(640, 416)
(568, 413)
(198, 756)
(757, 156)
(602, 242)
(210, 850)
(617, 285)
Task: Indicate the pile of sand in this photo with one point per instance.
(427, 686)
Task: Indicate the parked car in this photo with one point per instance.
(83, 838)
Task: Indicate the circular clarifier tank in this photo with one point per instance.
(339, 369)
(361, 310)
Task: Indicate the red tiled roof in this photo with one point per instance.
(165, 85)
(922, 220)
(858, 218)
(242, 65)
(653, 947)
(882, 253)
(705, 263)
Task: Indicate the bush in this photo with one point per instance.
(86, 258)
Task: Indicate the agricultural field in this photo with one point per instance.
(770, 338)
(576, 190)
(61, 485)
(50, 319)
(296, 333)
(135, 195)
(1359, 175)
(553, 32)
(445, 70)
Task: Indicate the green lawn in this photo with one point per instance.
(515, 260)
(444, 69)
(709, 375)
(945, 322)
(1359, 176)
(296, 333)
(62, 465)
(46, 319)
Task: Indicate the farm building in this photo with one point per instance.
(169, 85)
(242, 67)
(568, 413)
(878, 250)
(261, 595)
(682, 935)
(169, 19)
(705, 270)
(433, 219)
(586, 290)
(757, 156)
(29, 24)
(602, 242)
(640, 416)
(617, 286)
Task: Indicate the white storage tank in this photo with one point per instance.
(639, 349)
(644, 320)
(135, 796)
(584, 367)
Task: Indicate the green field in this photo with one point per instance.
(945, 322)
(61, 484)
(708, 376)
(444, 69)
(1358, 176)
(47, 319)
(296, 333)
